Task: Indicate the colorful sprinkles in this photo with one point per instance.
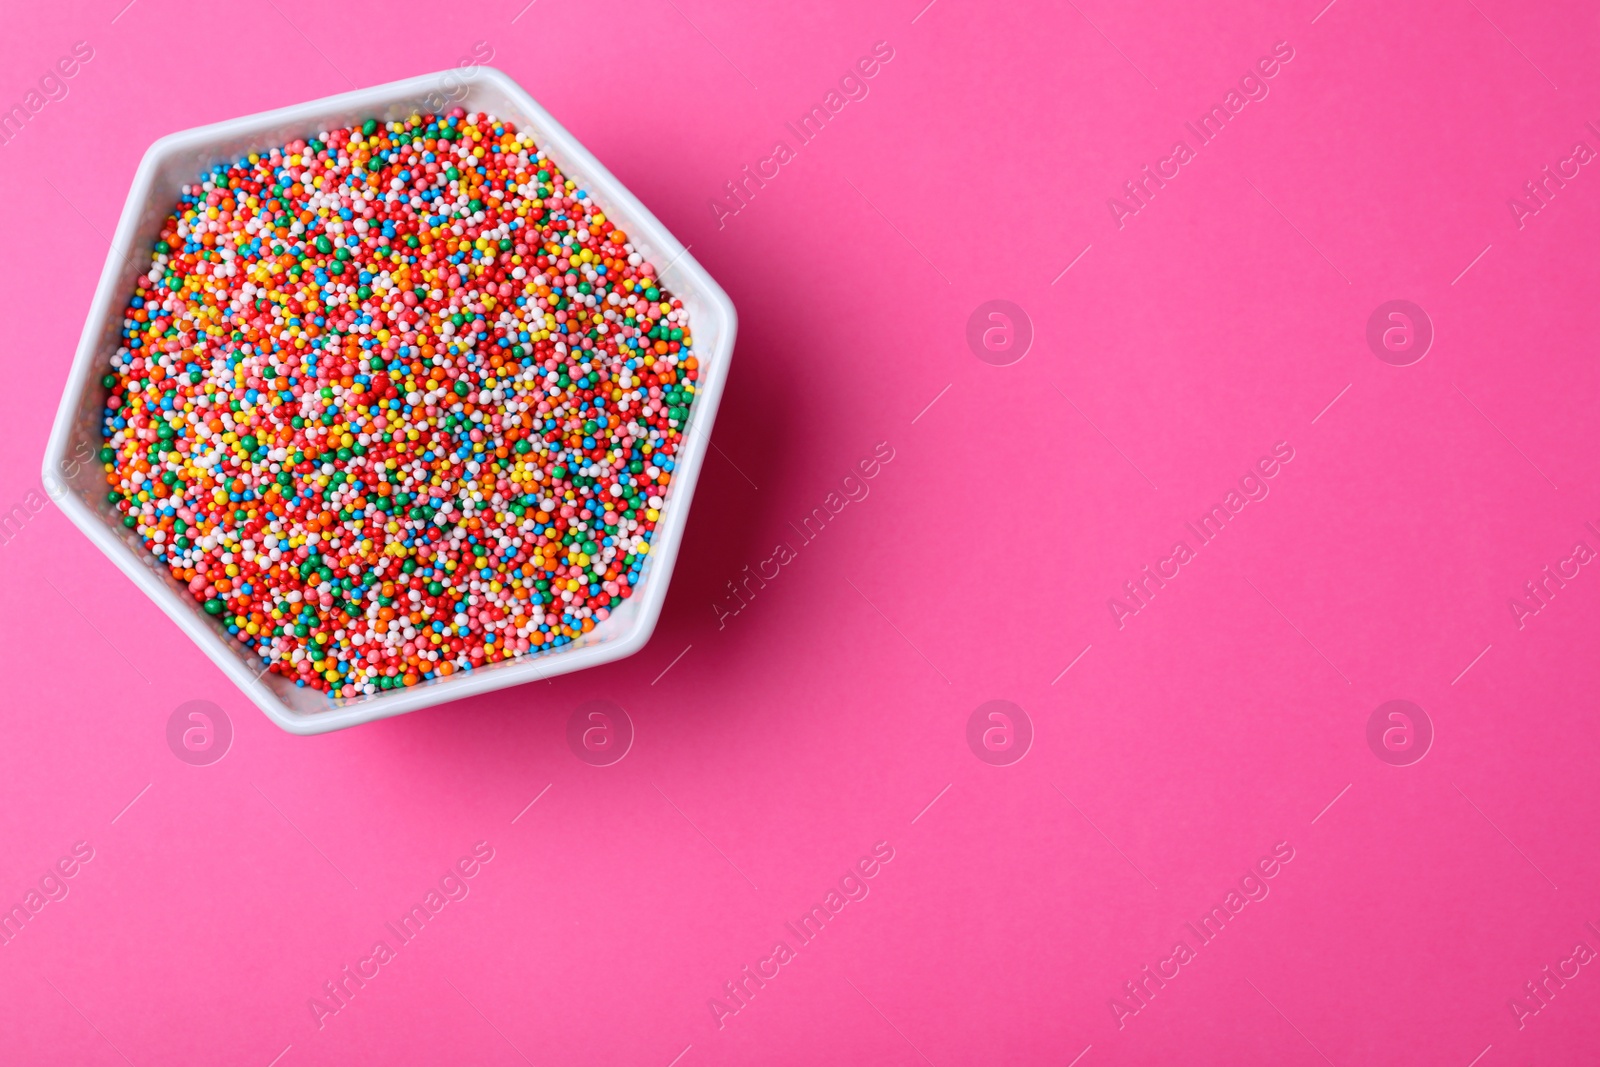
(397, 402)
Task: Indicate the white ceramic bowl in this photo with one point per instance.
(79, 486)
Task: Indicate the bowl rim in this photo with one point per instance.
(227, 653)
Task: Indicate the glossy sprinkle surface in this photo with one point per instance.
(397, 402)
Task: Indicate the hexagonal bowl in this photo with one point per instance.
(76, 479)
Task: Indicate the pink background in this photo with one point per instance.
(824, 717)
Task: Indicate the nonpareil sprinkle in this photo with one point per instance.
(397, 401)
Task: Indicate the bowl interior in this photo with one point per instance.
(75, 474)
